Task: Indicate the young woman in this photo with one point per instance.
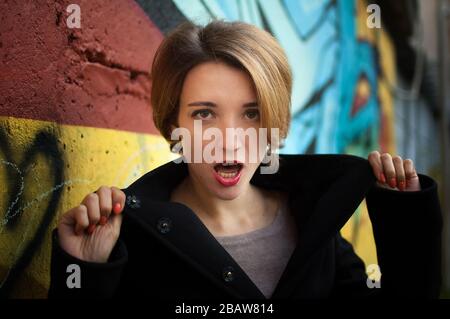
(223, 229)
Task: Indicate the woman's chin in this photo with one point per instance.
(226, 192)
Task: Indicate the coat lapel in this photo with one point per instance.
(187, 236)
(341, 184)
(324, 191)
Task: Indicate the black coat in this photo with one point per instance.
(165, 251)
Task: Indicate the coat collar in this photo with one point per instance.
(324, 191)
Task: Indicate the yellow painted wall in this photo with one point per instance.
(89, 158)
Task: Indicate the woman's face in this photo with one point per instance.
(221, 97)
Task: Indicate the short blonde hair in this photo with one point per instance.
(238, 44)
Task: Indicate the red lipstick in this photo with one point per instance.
(228, 174)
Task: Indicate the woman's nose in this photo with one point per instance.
(232, 133)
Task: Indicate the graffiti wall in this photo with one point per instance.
(75, 108)
(75, 114)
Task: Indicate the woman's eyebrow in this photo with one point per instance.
(251, 104)
(202, 103)
(212, 104)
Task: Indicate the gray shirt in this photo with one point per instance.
(264, 253)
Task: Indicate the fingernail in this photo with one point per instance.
(382, 178)
(117, 208)
(401, 185)
(91, 229)
(103, 220)
(393, 182)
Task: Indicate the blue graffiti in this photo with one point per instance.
(328, 62)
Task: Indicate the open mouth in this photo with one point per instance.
(228, 170)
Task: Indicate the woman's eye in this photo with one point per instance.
(202, 114)
(252, 115)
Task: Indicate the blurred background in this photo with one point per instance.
(75, 108)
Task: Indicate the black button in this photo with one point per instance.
(164, 225)
(228, 274)
(133, 201)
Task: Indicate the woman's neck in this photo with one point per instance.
(252, 209)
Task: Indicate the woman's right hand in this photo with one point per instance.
(90, 230)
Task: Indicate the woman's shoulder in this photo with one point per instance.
(158, 183)
(322, 159)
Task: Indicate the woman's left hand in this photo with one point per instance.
(394, 172)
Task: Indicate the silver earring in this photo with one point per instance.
(268, 156)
